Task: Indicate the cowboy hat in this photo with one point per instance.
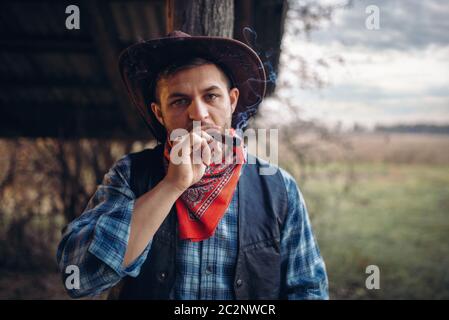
(141, 63)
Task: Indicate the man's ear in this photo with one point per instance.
(234, 97)
(157, 112)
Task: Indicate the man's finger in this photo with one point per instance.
(196, 146)
(205, 152)
(216, 152)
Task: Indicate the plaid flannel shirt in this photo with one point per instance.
(96, 242)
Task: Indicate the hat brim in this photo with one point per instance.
(141, 63)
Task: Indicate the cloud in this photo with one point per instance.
(390, 86)
(403, 25)
(399, 73)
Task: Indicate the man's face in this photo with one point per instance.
(195, 94)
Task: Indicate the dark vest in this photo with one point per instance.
(262, 209)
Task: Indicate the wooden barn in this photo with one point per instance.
(57, 82)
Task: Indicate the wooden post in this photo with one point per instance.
(201, 17)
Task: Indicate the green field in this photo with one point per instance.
(390, 215)
(383, 202)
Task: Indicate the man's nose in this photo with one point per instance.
(198, 110)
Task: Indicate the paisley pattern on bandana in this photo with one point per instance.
(200, 207)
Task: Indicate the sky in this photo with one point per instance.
(396, 74)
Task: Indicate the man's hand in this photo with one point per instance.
(189, 158)
(152, 207)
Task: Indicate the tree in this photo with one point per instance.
(201, 17)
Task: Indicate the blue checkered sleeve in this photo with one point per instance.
(96, 241)
(306, 276)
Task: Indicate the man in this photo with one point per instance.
(164, 226)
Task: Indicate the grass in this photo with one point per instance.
(393, 216)
(391, 210)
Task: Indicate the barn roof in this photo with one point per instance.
(58, 82)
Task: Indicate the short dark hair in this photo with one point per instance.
(185, 64)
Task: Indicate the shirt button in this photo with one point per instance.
(162, 276)
(239, 282)
(208, 269)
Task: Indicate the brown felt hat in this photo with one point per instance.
(141, 63)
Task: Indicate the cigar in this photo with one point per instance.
(223, 138)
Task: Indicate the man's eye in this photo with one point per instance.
(212, 96)
(180, 102)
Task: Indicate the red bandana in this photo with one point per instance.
(203, 204)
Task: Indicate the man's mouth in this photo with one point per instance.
(226, 139)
